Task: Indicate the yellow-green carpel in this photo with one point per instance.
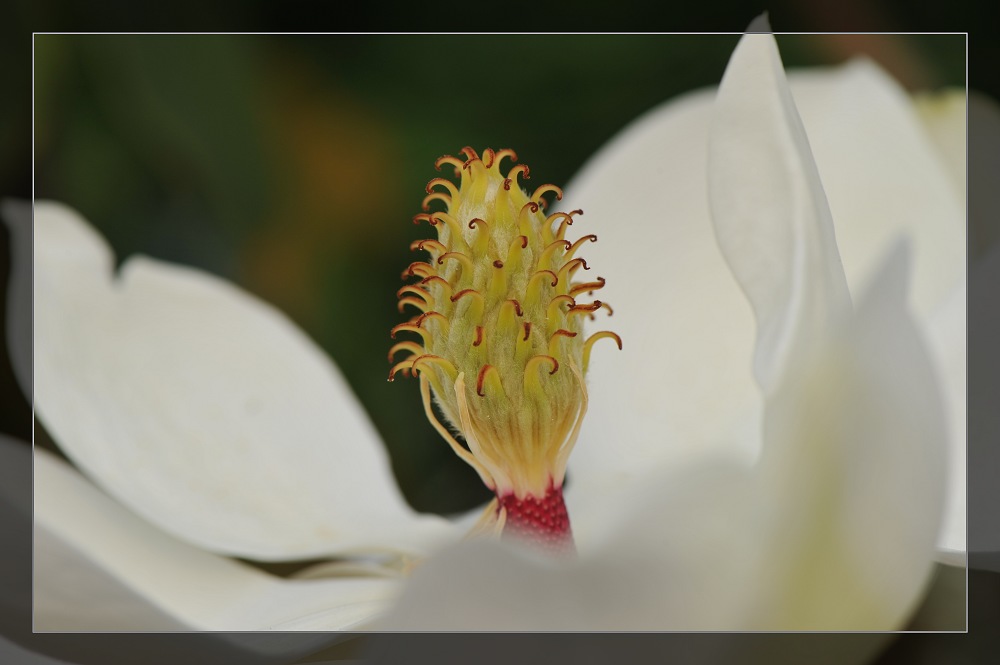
(498, 337)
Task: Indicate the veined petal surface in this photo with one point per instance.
(205, 410)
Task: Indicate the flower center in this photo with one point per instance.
(500, 312)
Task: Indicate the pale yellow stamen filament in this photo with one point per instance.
(563, 457)
(590, 343)
(501, 481)
(465, 455)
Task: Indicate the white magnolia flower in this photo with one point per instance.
(762, 454)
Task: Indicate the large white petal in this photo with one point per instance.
(884, 177)
(99, 566)
(851, 483)
(769, 209)
(682, 389)
(682, 386)
(204, 409)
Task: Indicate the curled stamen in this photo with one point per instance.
(447, 184)
(533, 292)
(524, 225)
(415, 290)
(470, 154)
(555, 306)
(498, 282)
(606, 306)
(436, 316)
(436, 360)
(439, 281)
(435, 196)
(575, 246)
(587, 286)
(436, 245)
(527, 331)
(556, 336)
(489, 373)
(511, 179)
(482, 241)
(448, 159)
(506, 152)
(413, 302)
(475, 312)
(566, 220)
(545, 189)
(408, 345)
(570, 267)
(517, 247)
(585, 309)
(488, 157)
(545, 258)
(461, 258)
(453, 225)
(478, 339)
(402, 366)
(531, 381)
(604, 334)
(419, 269)
(506, 323)
(410, 327)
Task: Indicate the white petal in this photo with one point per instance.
(682, 389)
(204, 409)
(852, 478)
(89, 547)
(682, 386)
(943, 115)
(884, 178)
(769, 209)
(946, 339)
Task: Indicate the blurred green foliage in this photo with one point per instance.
(293, 165)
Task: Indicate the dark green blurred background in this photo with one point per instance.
(293, 165)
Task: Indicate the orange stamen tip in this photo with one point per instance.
(587, 286)
(488, 157)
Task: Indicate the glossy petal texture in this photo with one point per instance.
(683, 383)
(89, 547)
(769, 209)
(205, 410)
